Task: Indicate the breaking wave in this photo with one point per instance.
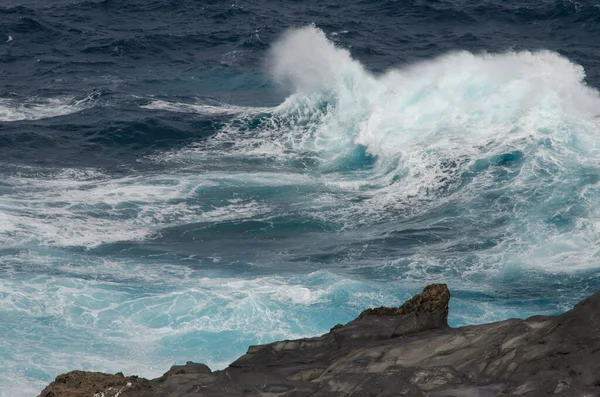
(503, 147)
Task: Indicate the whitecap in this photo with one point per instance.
(42, 108)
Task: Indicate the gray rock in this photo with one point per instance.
(409, 351)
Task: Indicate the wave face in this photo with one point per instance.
(179, 196)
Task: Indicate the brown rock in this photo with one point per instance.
(87, 384)
(434, 298)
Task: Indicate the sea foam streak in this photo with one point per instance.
(205, 109)
(43, 108)
(88, 209)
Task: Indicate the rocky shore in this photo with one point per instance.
(404, 351)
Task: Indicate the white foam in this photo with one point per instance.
(205, 109)
(16, 384)
(427, 124)
(458, 103)
(42, 108)
(461, 105)
(88, 209)
(174, 309)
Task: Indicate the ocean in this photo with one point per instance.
(181, 179)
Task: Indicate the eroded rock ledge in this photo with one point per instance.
(405, 351)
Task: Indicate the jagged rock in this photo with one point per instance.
(92, 384)
(408, 352)
(188, 368)
(433, 299)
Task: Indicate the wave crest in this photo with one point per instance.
(501, 146)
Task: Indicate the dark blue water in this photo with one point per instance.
(181, 179)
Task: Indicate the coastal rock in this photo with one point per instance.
(433, 299)
(404, 351)
(92, 384)
(188, 368)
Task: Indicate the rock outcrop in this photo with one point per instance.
(433, 299)
(405, 351)
(96, 384)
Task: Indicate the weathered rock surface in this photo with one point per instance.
(80, 383)
(433, 299)
(405, 351)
